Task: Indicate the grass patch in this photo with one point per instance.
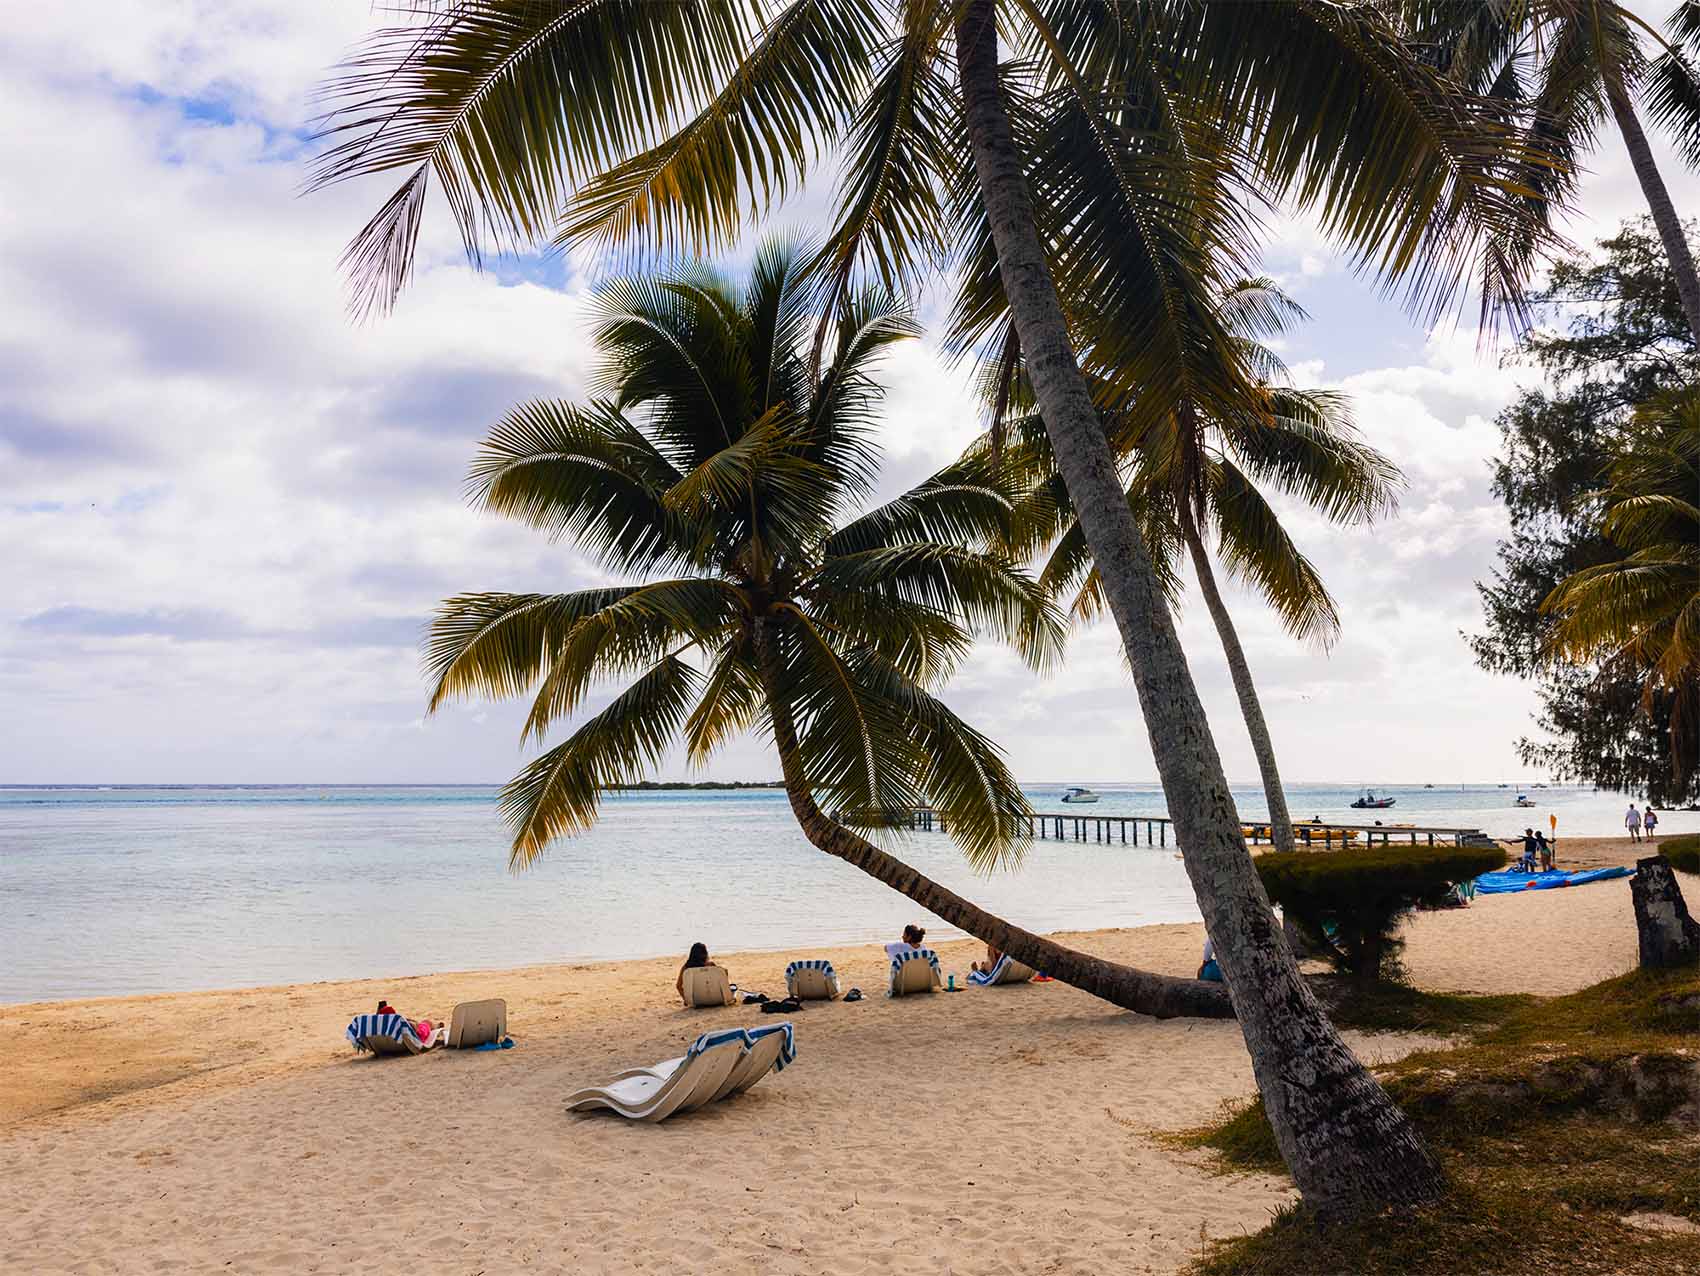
(1545, 1145)
(1397, 1007)
(1682, 852)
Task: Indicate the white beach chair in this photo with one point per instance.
(813, 980)
(389, 1034)
(476, 1022)
(707, 986)
(718, 1065)
(770, 1048)
(913, 972)
(1007, 971)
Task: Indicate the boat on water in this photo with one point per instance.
(1523, 799)
(1428, 786)
(1079, 795)
(1369, 802)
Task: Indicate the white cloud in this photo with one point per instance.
(227, 510)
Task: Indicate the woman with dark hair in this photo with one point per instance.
(912, 937)
(697, 957)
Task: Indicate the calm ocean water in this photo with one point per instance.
(109, 891)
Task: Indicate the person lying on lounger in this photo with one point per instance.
(423, 1029)
(993, 956)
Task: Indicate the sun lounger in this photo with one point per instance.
(811, 980)
(717, 1066)
(476, 1022)
(770, 1048)
(916, 971)
(389, 1034)
(707, 986)
(1007, 971)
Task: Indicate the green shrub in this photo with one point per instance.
(1350, 903)
(1682, 852)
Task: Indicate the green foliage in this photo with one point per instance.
(1617, 339)
(720, 471)
(1682, 852)
(1526, 1111)
(1350, 903)
(1396, 1007)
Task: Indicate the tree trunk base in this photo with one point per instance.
(1668, 935)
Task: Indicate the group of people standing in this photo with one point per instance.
(1641, 824)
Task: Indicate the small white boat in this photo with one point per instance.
(1523, 799)
(1079, 795)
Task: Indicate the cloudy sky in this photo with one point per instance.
(225, 511)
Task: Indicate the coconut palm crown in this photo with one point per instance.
(712, 468)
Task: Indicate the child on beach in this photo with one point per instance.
(1649, 823)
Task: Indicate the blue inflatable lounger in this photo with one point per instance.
(1506, 882)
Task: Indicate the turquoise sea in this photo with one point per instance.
(108, 890)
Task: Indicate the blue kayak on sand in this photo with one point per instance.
(1507, 883)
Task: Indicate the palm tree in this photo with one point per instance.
(1197, 470)
(1560, 67)
(1642, 612)
(670, 124)
(713, 462)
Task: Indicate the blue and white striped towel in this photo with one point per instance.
(917, 954)
(787, 1052)
(989, 976)
(747, 1037)
(392, 1026)
(813, 963)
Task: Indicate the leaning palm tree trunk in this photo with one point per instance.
(1348, 1147)
(1280, 821)
(1658, 199)
(1161, 996)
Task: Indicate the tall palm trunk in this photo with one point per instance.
(1280, 822)
(1163, 996)
(1349, 1148)
(1658, 198)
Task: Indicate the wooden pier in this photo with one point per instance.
(1072, 826)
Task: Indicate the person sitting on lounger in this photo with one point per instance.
(697, 958)
(993, 956)
(911, 941)
(1210, 970)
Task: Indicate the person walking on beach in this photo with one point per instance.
(1649, 823)
(1632, 822)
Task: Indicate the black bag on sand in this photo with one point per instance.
(784, 1007)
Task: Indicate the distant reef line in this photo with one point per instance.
(645, 786)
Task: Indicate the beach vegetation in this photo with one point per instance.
(1683, 853)
(715, 467)
(1581, 1108)
(668, 126)
(1638, 614)
(1615, 340)
(1349, 905)
(1199, 475)
(1559, 68)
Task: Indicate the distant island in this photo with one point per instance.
(651, 785)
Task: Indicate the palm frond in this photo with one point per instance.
(748, 146)
(1256, 549)
(508, 106)
(558, 794)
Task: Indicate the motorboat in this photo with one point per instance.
(1079, 795)
(1428, 786)
(1369, 802)
(1523, 799)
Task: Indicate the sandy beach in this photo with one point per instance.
(1004, 1130)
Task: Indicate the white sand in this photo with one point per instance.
(1002, 1130)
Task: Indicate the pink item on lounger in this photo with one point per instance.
(424, 1029)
